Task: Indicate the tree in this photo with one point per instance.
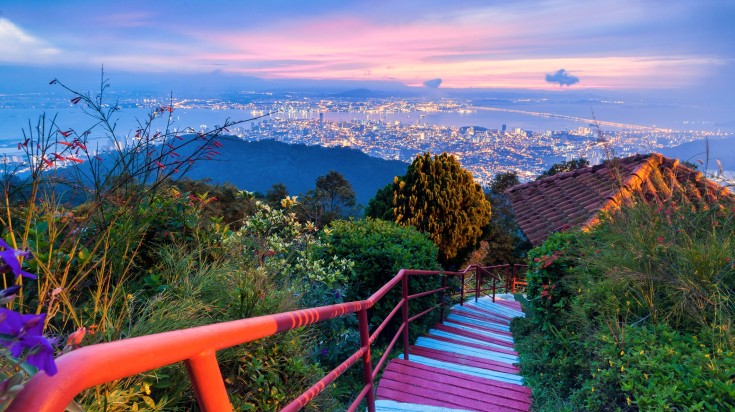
(275, 194)
(333, 198)
(503, 182)
(502, 241)
(441, 199)
(567, 166)
(381, 206)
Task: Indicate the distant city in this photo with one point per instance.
(487, 137)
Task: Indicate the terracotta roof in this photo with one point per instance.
(575, 198)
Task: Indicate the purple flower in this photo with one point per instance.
(25, 332)
(11, 262)
(8, 294)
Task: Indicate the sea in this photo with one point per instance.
(14, 122)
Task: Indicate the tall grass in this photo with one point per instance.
(638, 313)
(93, 219)
(673, 263)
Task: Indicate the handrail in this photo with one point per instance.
(512, 281)
(105, 362)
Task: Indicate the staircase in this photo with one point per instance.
(466, 363)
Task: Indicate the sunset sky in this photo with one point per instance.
(619, 45)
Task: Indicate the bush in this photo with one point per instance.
(637, 313)
(658, 368)
(549, 277)
(379, 250)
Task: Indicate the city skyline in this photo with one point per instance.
(683, 48)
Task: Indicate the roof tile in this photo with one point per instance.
(575, 198)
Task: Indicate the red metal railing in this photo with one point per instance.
(516, 278)
(98, 364)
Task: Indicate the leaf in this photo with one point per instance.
(148, 401)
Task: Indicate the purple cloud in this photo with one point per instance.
(562, 77)
(433, 83)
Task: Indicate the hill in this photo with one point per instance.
(256, 166)
(722, 150)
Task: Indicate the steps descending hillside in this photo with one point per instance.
(466, 363)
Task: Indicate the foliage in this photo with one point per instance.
(92, 222)
(502, 240)
(504, 181)
(637, 313)
(333, 198)
(276, 193)
(227, 204)
(379, 249)
(675, 261)
(566, 166)
(381, 206)
(659, 368)
(441, 199)
(261, 375)
(548, 277)
(280, 244)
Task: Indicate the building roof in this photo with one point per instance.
(574, 199)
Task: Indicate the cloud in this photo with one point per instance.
(433, 83)
(16, 46)
(562, 77)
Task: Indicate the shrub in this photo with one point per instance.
(379, 249)
(673, 262)
(659, 368)
(637, 313)
(550, 282)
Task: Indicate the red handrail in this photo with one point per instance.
(98, 364)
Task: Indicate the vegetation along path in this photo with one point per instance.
(466, 363)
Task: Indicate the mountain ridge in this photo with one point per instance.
(256, 166)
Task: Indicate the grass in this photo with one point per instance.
(648, 290)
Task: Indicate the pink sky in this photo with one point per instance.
(627, 44)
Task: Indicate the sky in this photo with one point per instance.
(555, 45)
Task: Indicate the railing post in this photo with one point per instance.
(444, 294)
(461, 292)
(495, 278)
(404, 292)
(478, 277)
(513, 280)
(206, 379)
(367, 366)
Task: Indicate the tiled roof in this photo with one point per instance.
(575, 198)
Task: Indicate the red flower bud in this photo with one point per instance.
(75, 338)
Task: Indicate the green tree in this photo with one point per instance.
(567, 166)
(226, 201)
(333, 198)
(275, 194)
(381, 206)
(503, 182)
(379, 249)
(441, 199)
(502, 242)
